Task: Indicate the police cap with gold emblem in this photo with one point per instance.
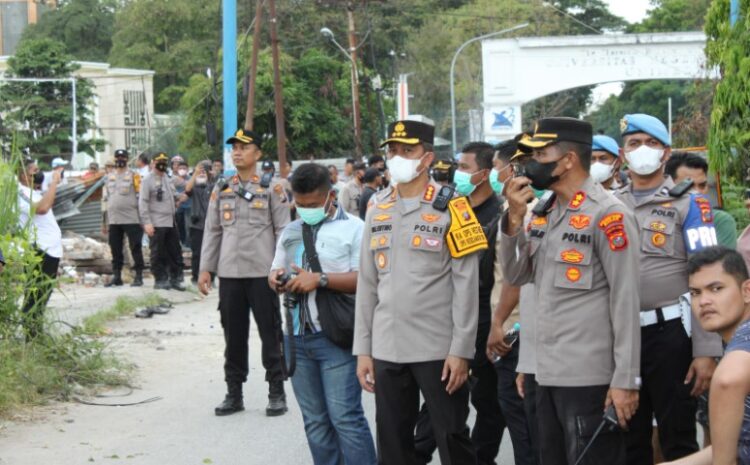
(245, 136)
(161, 156)
(410, 132)
(519, 153)
(560, 129)
(121, 153)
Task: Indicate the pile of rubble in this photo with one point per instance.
(85, 254)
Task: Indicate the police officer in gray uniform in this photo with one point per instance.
(123, 186)
(157, 209)
(672, 223)
(581, 252)
(417, 299)
(243, 223)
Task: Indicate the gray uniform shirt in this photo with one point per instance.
(159, 213)
(583, 259)
(239, 238)
(415, 302)
(349, 197)
(663, 255)
(122, 197)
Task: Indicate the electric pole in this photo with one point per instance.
(355, 81)
(252, 73)
(277, 92)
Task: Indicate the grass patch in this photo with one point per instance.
(54, 366)
(95, 324)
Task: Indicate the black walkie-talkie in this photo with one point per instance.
(265, 180)
(444, 196)
(545, 203)
(680, 189)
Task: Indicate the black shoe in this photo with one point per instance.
(138, 280)
(232, 402)
(144, 313)
(116, 279)
(276, 399)
(177, 285)
(162, 285)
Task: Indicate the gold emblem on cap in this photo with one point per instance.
(399, 130)
(623, 124)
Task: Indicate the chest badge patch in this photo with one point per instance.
(416, 241)
(580, 221)
(385, 206)
(430, 218)
(573, 274)
(227, 215)
(381, 218)
(571, 256)
(381, 260)
(658, 226)
(658, 239)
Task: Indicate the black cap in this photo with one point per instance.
(121, 153)
(161, 156)
(267, 165)
(246, 137)
(552, 130)
(410, 132)
(442, 165)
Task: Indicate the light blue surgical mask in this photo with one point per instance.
(463, 183)
(314, 215)
(495, 182)
(538, 193)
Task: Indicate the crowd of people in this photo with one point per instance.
(571, 290)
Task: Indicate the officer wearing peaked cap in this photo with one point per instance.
(123, 186)
(581, 254)
(244, 220)
(672, 223)
(415, 318)
(156, 206)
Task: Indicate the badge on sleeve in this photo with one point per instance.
(465, 235)
(614, 229)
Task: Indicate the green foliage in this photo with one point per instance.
(95, 324)
(689, 109)
(734, 204)
(83, 26)
(729, 49)
(38, 114)
(317, 105)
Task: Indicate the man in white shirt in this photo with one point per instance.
(36, 214)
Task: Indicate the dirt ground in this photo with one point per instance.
(179, 360)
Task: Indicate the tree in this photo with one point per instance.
(728, 47)
(83, 26)
(317, 105)
(689, 112)
(39, 114)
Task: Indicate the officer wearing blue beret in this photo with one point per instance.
(605, 162)
(673, 222)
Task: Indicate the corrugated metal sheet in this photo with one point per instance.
(89, 221)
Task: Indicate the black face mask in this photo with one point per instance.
(120, 163)
(541, 174)
(161, 167)
(38, 178)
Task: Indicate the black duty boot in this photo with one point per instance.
(116, 279)
(177, 284)
(138, 280)
(232, 402)
(276, 399)
(162, 285)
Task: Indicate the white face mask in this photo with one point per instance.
(644, 160)
(600, 172)
(403, 170)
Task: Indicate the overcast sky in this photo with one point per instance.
(632, 10)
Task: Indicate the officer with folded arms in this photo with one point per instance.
(581, 253)
(417, 299)
(244, 221)
(673, 222)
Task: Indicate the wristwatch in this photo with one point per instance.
(323, 282)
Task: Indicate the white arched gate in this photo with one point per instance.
(516, 71)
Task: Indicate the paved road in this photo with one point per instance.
(179, 359)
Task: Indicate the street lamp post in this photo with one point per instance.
(453, 66)
(327, 33)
